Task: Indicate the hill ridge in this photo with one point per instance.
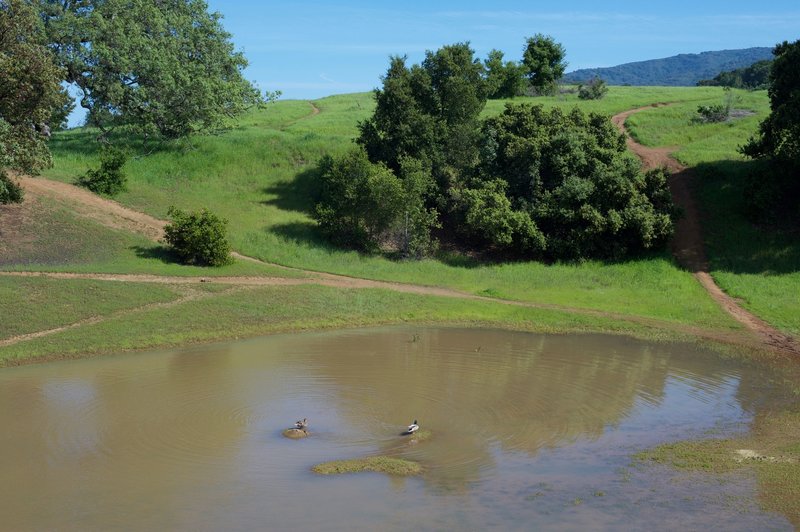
(684, 69)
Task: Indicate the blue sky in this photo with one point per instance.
(313, 49)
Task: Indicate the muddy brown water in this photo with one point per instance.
(528, 432)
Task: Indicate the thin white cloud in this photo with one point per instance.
(562, 16)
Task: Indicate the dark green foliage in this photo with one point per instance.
(491, 220)
(10, 192)
(778, 143)
(29, 88)
(718, 112)
(543, 59)
(753, 77)
(572, 176)
(713, 113)
(528, 183)
(683, 70)
(365, 206)
(593, 89)
(166, 68)
(428, 112)
(359, 200)
(109, 179)
(415, 220)
(504, 79)
(198, 238)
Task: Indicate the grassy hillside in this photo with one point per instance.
(759, 265)
(260, 176)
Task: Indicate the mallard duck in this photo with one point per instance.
(301, 424)
(413, 427)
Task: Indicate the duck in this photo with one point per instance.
(413, 427)
(301, 424)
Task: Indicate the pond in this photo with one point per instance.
(526, 431)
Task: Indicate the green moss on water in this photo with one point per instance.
(770, 450)
(379, 464)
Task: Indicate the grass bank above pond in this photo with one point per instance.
(221, 313)
(756, 263)
(260, 176)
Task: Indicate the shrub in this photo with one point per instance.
(593, 90)
(563, 186)
(359, 200)
(10, 192)
(198, 238)
(109, 178)
(720, 112)
(712, 113)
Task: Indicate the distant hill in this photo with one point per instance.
(679, 70)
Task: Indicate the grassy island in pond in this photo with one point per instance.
(379, 464)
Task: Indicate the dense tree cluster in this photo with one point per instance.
(29, 88)
(775, 192)
(167, 68)
(753, 77)
(527, 183)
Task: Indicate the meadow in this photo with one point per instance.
(260, 175)
(760, 265)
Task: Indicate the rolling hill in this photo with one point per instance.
(676, 71)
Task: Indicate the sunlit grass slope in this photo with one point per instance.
(260, 176)
(758, 264)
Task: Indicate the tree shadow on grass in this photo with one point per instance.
(733, 241)
(85, 142)
(298, 195)
(160, 253)
(303, 233)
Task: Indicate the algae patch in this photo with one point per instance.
(379, 464)
(770, 450)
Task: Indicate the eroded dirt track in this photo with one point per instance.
(687, 244)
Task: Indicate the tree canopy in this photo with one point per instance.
(166, 68)
(29, 88)
(777, 190)
(753, 77)
(504, 79)
(543, 58)
(428, 112)
(528, 183)
(570, 186)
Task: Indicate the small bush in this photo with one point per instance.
(198, 238)
(10, 192)
(712, 113)
(109, 178)
(593, 90)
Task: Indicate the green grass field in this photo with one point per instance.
(260, 176)
(758, 265)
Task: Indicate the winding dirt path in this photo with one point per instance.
(112, 214)
(687, 244)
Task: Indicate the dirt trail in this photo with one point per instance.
(687, 244)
